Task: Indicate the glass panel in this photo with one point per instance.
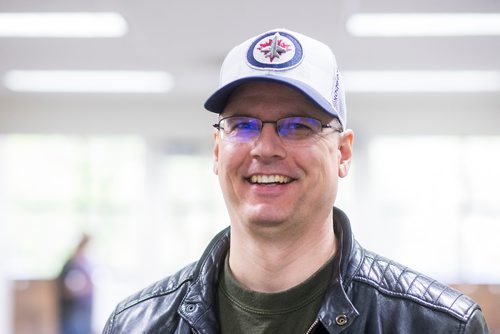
(432, 204)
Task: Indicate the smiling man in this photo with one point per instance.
(289, 262)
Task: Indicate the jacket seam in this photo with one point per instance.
(355, 272)
(203, 263)
(213, 245)
(438, 297)
(456, 300)
(463, 318)
(429, 286)
(382, 277)
(473, 308)
(417, 276)
(398, 280)
(155, 293)
(372, 264)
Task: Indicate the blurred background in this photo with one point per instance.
(103, 134)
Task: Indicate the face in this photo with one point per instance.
(302, 181)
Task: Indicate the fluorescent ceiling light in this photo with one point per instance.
(74, 24)
(89, 81)
(424, 24)
(422, 81)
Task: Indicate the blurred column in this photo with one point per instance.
(5, 296)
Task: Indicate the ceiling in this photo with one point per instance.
(189, 40)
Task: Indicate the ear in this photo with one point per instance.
(216, 153)
(345, 152)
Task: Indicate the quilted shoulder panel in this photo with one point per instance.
(392, 278)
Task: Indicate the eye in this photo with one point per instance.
(245, 125)
(298, 127)
(237, 125)
(299, 123)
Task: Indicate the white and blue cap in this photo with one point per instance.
(286, 57)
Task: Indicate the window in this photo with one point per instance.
(432, 203)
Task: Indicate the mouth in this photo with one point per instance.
(269, 179)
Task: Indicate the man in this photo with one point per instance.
(289, 263)
(76, 292)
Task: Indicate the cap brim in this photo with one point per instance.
(218, 100)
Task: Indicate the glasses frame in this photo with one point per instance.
(262, 122)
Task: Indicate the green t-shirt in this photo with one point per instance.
(292, 311)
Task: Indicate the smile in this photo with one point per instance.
(269, 179)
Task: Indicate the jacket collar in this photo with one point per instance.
(198, 306)
(336, 313)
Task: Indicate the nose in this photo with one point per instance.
(268, 145)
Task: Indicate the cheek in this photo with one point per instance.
(329, 158)
(320, 168)
(230, 159)
(330, 173)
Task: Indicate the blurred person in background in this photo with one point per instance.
(289, 262)
(76, 292)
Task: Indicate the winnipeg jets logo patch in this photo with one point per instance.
(275, 50)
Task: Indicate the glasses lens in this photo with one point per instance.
(297, 128)
(240, 129)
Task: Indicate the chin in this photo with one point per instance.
(265, 216)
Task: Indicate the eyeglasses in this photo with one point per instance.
(295, 130)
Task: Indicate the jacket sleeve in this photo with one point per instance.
(476, 324)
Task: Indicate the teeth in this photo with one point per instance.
(266, 179)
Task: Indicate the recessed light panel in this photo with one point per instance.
(424, 24)
(89, 81)
(65, 25)
(422, 81)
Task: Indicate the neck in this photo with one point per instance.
(278, 262)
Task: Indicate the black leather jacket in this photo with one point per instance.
(367, 294)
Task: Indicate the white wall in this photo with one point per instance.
(5, 298)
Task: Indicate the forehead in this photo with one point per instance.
(262, 98)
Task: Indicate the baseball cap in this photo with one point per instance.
(286, 57)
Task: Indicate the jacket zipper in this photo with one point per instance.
(312, 326)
